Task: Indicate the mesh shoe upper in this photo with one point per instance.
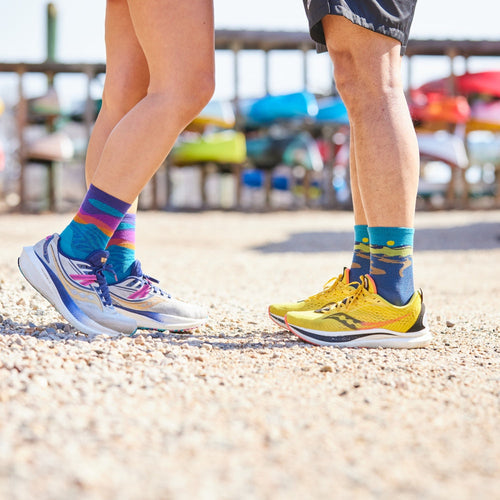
(363, 310)
(333, 291)
(139, 296)
(77, 286)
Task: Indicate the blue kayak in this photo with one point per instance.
(332, 110)
(276, 108)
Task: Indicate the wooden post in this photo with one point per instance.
(51, 39)
(21, 124)
(409, 76)
(305, 72)
(267, 73)
(236, 77)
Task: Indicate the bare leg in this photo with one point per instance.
(368, 76)
(170, 34)
(357, 202)
(127, 80)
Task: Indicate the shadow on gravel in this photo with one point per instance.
(254, 340)
(480, 236)
(50, 331)
(60, 332)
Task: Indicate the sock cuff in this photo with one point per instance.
(391, 236)
(106, 202)
(128, 221)
(361, 234)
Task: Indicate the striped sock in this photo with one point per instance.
(121, 248)
(391, 262)
(93, 225)
(361, 255)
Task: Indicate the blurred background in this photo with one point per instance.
(275, 135)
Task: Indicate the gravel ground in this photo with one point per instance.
(241, 409)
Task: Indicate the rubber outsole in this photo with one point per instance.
(369, 339)
(277, 319)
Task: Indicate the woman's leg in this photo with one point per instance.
(127, 79)
(178, 43)
(177, 81)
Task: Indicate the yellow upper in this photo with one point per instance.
(333, 291)
(363, 310)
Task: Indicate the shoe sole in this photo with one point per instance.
(364, 338)
(36, 275)
(170, 323)
(279, 320)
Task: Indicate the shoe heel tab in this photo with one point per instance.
(347, 275)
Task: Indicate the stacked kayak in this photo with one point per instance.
(279, 108)
(443, 146)
(224, 147)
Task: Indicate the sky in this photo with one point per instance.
(81, 39)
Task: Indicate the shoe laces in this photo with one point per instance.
(348, 302)
(102, 283)
(153, 285)
(327, 287)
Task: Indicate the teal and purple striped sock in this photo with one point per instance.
(121, 248)
(93, 225)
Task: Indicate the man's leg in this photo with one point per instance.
(361, 255)
(384, 311)
(368, 75)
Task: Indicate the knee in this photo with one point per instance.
(121, 93)
(197, 93)
(184, 99)
(362, 81)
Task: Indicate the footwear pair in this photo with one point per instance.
(79, 291)
(347, 314)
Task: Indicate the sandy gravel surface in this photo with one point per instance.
(241, 409)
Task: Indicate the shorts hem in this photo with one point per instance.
(318, 35)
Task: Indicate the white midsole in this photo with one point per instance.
(390, 339)
(167, 322)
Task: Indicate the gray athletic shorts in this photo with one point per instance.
(389, 17)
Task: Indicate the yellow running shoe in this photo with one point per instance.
(333, 291)
(364, 320)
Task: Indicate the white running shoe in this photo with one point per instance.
(138, 296)
(76, 288)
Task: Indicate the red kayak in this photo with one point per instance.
(485, 82)
(439, 108)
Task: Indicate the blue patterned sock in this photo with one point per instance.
(361, 255)
(93, 225)
(391, 262)
(121, 248)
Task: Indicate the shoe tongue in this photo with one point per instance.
(97, 258)
(136, 269)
